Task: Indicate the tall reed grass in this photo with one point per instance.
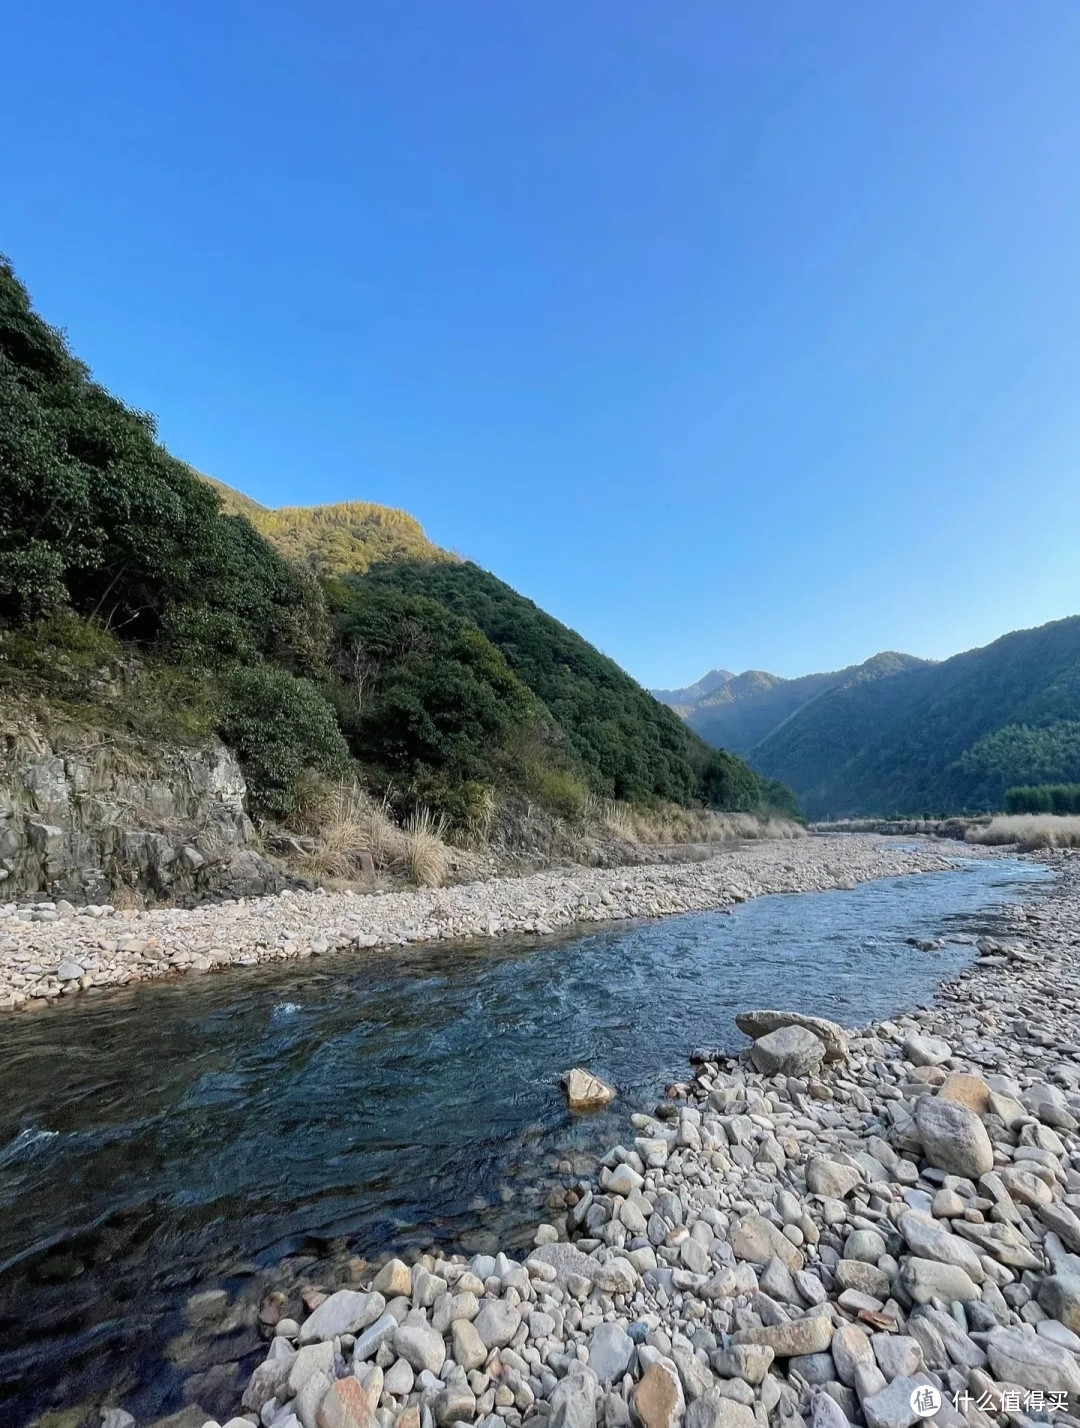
(1028, 830)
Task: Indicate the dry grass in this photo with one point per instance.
(426, 854)
(1029, 830)
(669, 823)
(345, 822)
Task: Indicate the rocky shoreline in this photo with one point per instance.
(834, 1228)
(50, 951)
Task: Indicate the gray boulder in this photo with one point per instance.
(953, 1138)
(1032, 1362)
(788, 1051)
(759, 1023)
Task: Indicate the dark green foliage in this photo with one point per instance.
(96, 514)
(279, 725)
(777, 798)
(943, 738)
(1044, 798)
(421, 692)
(1023, 753)
(627, 745)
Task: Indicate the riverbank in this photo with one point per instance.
(819, 1230)
(48, 952)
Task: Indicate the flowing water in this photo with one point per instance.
(193, 1134)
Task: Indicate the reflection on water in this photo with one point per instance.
(163, 1141)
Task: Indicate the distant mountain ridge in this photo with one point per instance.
(738, 712)
(899, 735)
(685, 699)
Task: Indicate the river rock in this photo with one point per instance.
(346, 1312)
(610, 1352)
(496, 1323)
(567, 1261)
(312, 1359)
(866, 1245)
(966, 1090)
(850, 1348)
(892, 1407)
(393, 1280)
(469, 1349)
(658, 1396)
(584, 1091)
(345, 1406)
(756, 1024)
(1032, 1362)
(831, 1179)
(757, 1240)
(788, 1051)
(573, 1401)
(1059, 1293)
(368, 1342)
(420, 1346)
(456, 1403)
(926, 1279)
(750, 1362)
(1048, 1103)
(714, 1410)
(864, 1278)
(811, 1335)
(926, 1050)
(825, 1412)
(1025, 1187)
(307, 1402)
(926, 1238)
(953, 1138)
(1064, 1223)
(897, 1355)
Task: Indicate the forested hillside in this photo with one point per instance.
(941, 738)
(130, 598)
(627, 745)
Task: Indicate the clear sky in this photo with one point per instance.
(741, 334)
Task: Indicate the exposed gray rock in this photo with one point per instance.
(610, 1352)
(1032, 1362)
(953, 1138)
(788, 1051)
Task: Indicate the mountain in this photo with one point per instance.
(626, 744)
(746, 707)
(937, 738)
(320, 643)
(682, 700)
(338, 539)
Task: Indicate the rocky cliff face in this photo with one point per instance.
(81, 818)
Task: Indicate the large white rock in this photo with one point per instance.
(346, 1312)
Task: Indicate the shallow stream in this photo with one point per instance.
(192, 1134)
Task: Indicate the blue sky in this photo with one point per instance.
(732, 334)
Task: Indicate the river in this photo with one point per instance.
(191, 1135)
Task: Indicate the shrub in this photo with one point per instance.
(467, 809)
(560, 791)
(279, 725)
